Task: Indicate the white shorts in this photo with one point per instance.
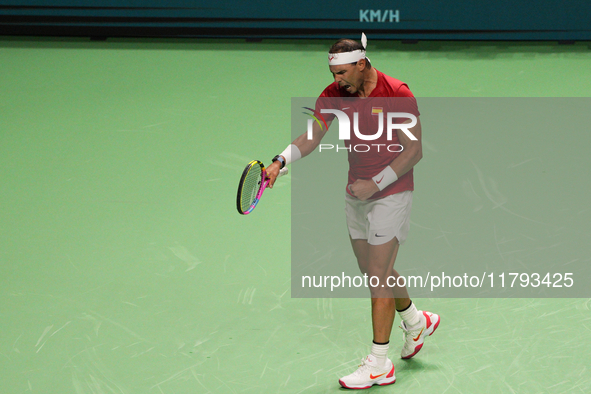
(379, 221)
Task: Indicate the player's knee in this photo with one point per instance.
(379, 272)
(363, 265)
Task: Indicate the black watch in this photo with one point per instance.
(281, 159)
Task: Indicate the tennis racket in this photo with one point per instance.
(252, 185)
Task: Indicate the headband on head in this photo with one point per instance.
(335, 59)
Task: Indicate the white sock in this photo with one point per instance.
(410, 316)
(380, 352)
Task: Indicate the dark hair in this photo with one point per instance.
(347, 45)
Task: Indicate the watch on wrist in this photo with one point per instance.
(281, 160)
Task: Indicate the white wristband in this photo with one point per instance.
(291, 153)
(385, 178)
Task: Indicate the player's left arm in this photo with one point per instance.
(412, 151)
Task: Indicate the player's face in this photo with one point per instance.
(348, 76)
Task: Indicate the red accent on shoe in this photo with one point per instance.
(428, 319)
(436, 325)
(353, 388)
(391, 373)
(385, 384)
(415, 352)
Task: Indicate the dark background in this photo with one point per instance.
(404, 19)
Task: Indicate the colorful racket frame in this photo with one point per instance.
(254, 165)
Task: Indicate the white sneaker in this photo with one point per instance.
(368, 374)
(413, 339)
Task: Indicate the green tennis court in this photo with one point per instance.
(125, 267)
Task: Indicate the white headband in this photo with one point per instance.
(335, 59)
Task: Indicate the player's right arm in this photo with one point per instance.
(305, 146)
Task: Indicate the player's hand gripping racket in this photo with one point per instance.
(252, 185)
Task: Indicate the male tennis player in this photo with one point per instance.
(378, 199)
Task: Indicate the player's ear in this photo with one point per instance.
(362, 64)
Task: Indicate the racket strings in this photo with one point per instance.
(251, 186)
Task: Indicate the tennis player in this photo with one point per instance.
(378, 199)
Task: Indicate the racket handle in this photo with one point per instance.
(282, 172)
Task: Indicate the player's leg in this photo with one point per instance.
(388, 297)
(376, 368)
(390, 218)
(416, 325)
(376, 261)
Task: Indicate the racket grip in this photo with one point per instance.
(282, 172)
